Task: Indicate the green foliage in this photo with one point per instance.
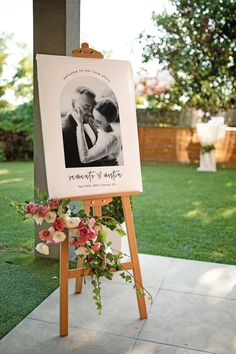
(21, 82)
(102, 235)
(114, 210)
(197, 44)
(156, 116)
(207, 148)
(2, 154)
(120, 231)
(16, 123)
(4, 38)
(127, 277)
(16, 132)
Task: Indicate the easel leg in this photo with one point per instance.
(79, 279)
(80, 262)
(64, 267)
(134, 255)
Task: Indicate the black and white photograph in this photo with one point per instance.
(90, 124)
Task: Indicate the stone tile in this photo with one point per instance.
(36, 337)
(142, 347)
(192, 321)
(119, 314)
(153, 269)
(201, 278)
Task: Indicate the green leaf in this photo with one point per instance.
(82, 214)
(102, 235)
(120, 231)
(108, 275)
(42, 195)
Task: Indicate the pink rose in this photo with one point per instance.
(91, 223)
(53, 203)
(45, 235)
(74, 243)
(83, 231)
(92, 234)
(83, 240)
(31, 208)
(42, 211)
(96, 247)
(81, 224)
(58, 224)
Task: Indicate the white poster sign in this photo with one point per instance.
(89, 126)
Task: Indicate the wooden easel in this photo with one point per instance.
(96, 203)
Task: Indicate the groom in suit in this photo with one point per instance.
(85, 100)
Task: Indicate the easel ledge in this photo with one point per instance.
(96, 202)
(108, 195)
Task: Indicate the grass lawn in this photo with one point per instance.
(25, 282)
(187, 214)
(182, 213)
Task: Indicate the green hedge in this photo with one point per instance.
(158, 117)
(16, 133)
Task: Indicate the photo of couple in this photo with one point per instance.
(90, 124)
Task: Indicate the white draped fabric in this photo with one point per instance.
(209, 134)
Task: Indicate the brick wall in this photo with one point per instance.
(181, 145)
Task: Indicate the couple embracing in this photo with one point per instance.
(88, 137)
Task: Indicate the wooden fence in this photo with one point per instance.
(181, 145)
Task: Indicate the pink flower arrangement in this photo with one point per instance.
(57, 214)
(88, 237)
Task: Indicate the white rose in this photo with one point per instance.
(42, 248)
(71, 223)
(62, 214)
(38, 219)
(58, 236)
(74, 232)
(50, 217)
(81, 251)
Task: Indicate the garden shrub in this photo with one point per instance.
(16, 132)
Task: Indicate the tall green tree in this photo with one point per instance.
(16, 121)
(21, 80)
(197, 44)
(4, 85)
